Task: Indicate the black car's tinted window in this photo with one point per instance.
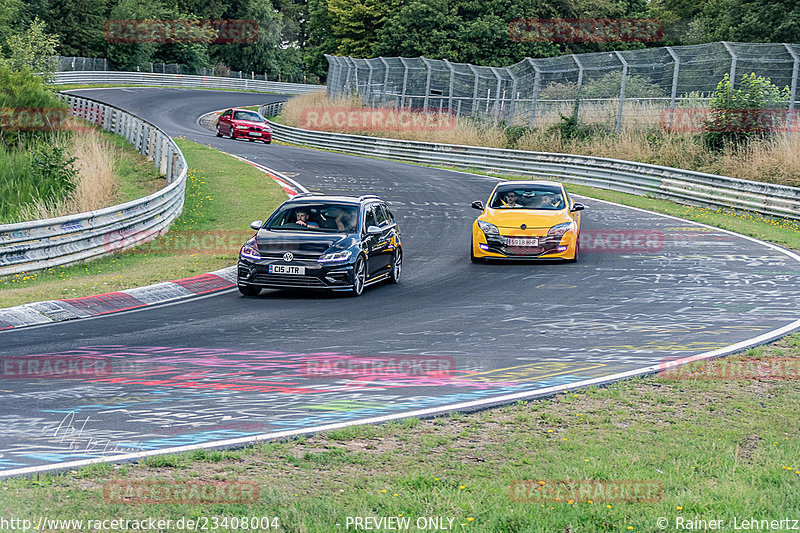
(370, 220)
(389, 214)
(380, 215)
(327, 217)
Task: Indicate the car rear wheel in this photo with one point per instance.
(249, 290)
(230, 133)
(359, 276)
(397, 267)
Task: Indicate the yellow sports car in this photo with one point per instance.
(527, 220)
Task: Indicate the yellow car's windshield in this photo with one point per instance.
(528, 197)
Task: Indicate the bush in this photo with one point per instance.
(608, 86)
(737, 116)
(22, 90)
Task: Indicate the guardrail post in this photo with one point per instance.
(676, 65)
(497, 100)
(163, 156)
(621, 91)
(405, 84)
(733, 62)
(174, 166)
(168, 164)
(537, 78)
(385, 81)
(578, 90)
(793, 90)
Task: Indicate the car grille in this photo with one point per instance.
(279, 255)
(523, 250)
(288, 279)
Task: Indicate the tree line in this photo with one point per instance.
(294, 35)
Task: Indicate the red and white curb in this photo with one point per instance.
(51, 311)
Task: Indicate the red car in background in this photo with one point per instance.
(244, 124)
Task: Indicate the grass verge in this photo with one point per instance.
(719, 449)
(215, 204)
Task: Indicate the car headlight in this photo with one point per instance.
(560, 229)
(335, 257)
(487, 228)
(250, 250)
(241, 127)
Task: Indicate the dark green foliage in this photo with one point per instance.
(752, 110)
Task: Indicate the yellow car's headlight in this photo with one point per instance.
(487, 228)
(560, 229)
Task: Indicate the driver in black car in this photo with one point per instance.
(302, 219)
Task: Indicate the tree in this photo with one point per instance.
(32, 50)
(132, 56)
(79, 24)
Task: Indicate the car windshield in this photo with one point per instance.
(251, 116)
(326, 217)
(547, 197)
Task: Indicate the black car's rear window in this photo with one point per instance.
(326, 217)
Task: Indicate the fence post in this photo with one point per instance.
(427, 85)
(537, 78)
(497, 100)
(793, 90)
(676, 65)
(475, 89)
(733, 62)
(621, 91)
(405, 83)
(452, 84)
(368, 91)
(385, 81)
(513, 107)
(578, 90)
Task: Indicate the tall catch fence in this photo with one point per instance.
(648, 86)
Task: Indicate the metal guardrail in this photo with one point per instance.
(271, 110)
(41, 244)
(181, 80)
(683, 186)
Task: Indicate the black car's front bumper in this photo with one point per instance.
(337, 277)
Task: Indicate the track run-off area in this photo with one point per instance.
(225, 370)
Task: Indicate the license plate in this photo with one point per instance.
(523, 241)
(255, 134)
(287, 269)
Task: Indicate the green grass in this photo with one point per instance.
(18, 185)
(214, 203)
(718, 448)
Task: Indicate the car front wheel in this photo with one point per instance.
(359, 276)
(472, 254)
(219, 133)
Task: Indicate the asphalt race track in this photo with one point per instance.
(225, 368)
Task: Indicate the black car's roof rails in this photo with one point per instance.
(368, 196)
(302, 194)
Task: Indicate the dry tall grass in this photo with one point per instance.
(95, 185)
(642, 139)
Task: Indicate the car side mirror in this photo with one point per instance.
(374, 230)
(256, 224)
(577, 207)
(477, 205)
